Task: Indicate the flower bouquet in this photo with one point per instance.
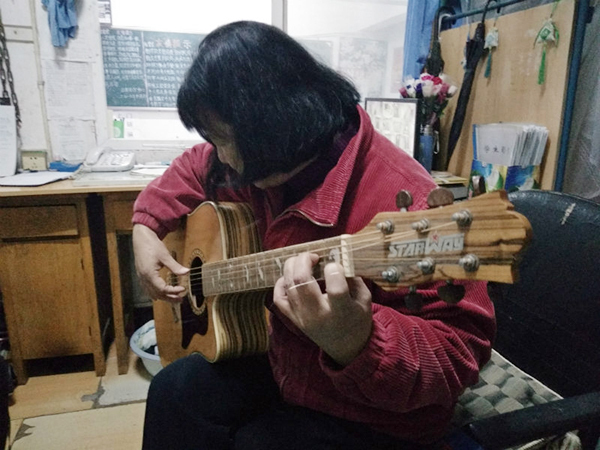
(433, 92)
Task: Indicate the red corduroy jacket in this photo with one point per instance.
(406, 380)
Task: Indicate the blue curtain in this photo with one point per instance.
(419, 20)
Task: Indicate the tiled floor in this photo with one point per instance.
(79, 410)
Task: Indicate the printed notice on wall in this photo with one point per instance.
(72, 139)
(8, 140)
(104, 12)
(69, 91)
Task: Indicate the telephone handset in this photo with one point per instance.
(105, 159)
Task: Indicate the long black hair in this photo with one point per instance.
(283, 105)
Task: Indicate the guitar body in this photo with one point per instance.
(221, 326)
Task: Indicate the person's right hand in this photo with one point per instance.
(151, 255)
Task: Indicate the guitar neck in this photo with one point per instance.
(261, 271)
(474, 240)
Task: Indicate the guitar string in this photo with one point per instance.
(237, 270)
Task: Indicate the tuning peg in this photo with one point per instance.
(426, 265)
(404, 200)
(463, 218)
(420, 226)
(386, 227)
(469, 262)
(451, 293)
(413, 300)
(440, 197)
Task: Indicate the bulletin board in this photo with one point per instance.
(145, 68)
(512, 93)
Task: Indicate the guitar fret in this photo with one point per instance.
(262, 270)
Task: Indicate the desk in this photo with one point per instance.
(52, 260)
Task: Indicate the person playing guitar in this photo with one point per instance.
(349, 364)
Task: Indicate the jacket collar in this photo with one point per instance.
(322, 206)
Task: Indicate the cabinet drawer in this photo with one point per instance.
(38, 222)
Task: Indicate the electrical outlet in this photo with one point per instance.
(33, 161)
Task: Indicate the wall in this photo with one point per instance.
(60, 90)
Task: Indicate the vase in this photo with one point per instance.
(427, 146)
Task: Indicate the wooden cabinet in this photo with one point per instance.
(47, 280)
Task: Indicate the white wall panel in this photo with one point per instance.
(17, 20)
(25, 74)
(82, 57)
(15, 12)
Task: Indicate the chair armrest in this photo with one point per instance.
(525, 425)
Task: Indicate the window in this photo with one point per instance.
(186, 16)
(361, 38)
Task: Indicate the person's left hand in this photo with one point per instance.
(339, 321)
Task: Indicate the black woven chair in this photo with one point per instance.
(548, 327)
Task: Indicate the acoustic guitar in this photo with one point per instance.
(223, 314)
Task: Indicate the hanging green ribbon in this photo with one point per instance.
(547, 35)
(491, 42)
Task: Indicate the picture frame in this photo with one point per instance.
(398, 120)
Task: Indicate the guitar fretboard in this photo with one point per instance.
(262, 270)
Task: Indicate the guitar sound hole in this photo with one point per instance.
(194, 316)
(196, 284)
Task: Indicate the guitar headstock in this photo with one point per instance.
(478, 239)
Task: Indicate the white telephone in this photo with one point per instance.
(105, 159)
